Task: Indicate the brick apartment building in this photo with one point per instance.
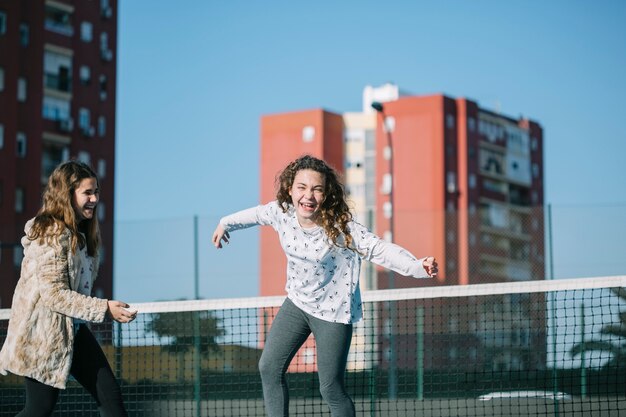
(57, 102)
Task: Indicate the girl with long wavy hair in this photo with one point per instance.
(47, 338)
(324, 248)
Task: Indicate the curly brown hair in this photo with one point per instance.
(334, 213)
(57, 213)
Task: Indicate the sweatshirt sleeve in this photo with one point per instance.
(386, 254)
(261, 215)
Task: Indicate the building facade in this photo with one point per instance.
(57, 102)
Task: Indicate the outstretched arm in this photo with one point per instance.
(391, 256)
(255, 216)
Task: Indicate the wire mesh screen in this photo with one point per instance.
(547, 348)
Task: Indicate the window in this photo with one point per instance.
(451, 182)
(101, 212)
(102, 168)
(58, 20)
(472, 180)
(534, 144)
(450, 121)
(102, 125)
(86, 32)
(84, 119)
(21, 89)
(1, 79)
(18, 255)
(389, 124)
(103, 87)
(387, 209)
(105, 53)
(308, 132)
(1, 136)
(106, 11)
(386, 185)
(56, 108)
(3, 23)
(19, 200)
(84, 156)
(20, 147)
(491, 161)
(85, 74)
(57, 69)
(24, 34)
(52, 155)
(471, 124)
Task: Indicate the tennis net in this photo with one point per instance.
(534, 348)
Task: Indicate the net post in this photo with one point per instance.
(196, 322)
(555, 383)
(419, 365)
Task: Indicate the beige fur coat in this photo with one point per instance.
(40, 337)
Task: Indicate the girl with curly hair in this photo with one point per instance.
(324, 248)
(47, 338)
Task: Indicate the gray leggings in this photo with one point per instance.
(289, 331)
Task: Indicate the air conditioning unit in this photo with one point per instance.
(66, 125)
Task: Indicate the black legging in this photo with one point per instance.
(91, 369)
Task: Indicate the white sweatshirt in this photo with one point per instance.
(322, 278)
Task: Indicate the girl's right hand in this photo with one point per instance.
(117, 311)
(220, 235)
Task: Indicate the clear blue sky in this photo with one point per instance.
(195, 78)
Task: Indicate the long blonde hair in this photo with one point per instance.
(334, 211)
(57, 212)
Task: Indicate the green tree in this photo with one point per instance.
(185, 329)
(180, 328)
(616, 330)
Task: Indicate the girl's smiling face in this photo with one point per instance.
(85, 199)
(307, 195)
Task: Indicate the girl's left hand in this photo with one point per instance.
(430, 265)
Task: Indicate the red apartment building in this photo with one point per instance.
(467, 188)
(57, 102)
